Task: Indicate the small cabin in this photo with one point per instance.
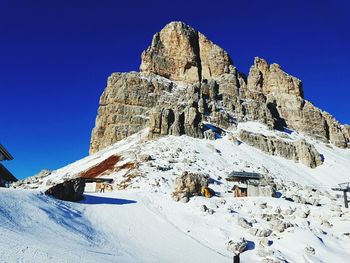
(6, 177)
(250, 184)
(93, 185)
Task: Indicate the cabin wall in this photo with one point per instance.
(261, 190)
(94, 187)
(90, 187)
(253, 190)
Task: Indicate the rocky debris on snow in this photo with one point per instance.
(302, 194)
(264, 242)
(205, 209)
(264, 252)
(326, 223)
(70, 190)
(300, 151)
(279, 225)
(260, 232)
(304, 213)
(185, 80)
(288, 211)
(272, 260)
(145, 157)
(188, 185)
(243, 222)
(33, 181)
(263, 205)
(309, 250)
(238, 246)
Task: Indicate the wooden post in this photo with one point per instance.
(346, 202)
(236, 258)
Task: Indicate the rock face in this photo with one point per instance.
(180, 53)
(70, 190)
(186, 80)
(299, 151)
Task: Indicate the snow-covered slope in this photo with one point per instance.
(142, 223)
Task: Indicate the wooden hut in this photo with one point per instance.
(251, 184)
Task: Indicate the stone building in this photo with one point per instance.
(250, 184)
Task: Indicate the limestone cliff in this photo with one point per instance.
(186, 80)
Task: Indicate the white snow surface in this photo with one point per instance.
(142, 223)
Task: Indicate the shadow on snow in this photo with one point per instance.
(94, 200)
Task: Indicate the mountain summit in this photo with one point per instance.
(186, 80)
(253, 172)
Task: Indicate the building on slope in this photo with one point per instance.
(6, 177)
(250, 184)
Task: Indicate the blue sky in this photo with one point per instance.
(55, 57)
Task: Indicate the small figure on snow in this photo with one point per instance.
(102, 188)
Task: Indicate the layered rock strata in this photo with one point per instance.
(186, 81)
(299, 151)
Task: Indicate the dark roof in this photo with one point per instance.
(98, 180)
(244, 175)
(6, 174)
(4, 154)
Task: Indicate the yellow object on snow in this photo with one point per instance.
(207, 192)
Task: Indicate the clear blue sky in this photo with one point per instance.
(55, 57)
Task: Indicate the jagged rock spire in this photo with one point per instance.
(179, 52)
(272, 79)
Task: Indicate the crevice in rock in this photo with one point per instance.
(197, 46)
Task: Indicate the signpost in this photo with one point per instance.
(344, 187)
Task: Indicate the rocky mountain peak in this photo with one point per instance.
(187, 85)
(272, 79)
(180, 53)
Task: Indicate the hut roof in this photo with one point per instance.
(4, 154)
(244, 175)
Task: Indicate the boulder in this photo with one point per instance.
(243, 222)
(309, 251)
(188, 185)
(70, 190)
(260, 232)
(237, 247)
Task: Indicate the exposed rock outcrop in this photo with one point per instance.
(272, 79)
(299, 151)
(70, 190)
(185, 81)
(187, 185)
(179, 52)
(238, 246)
